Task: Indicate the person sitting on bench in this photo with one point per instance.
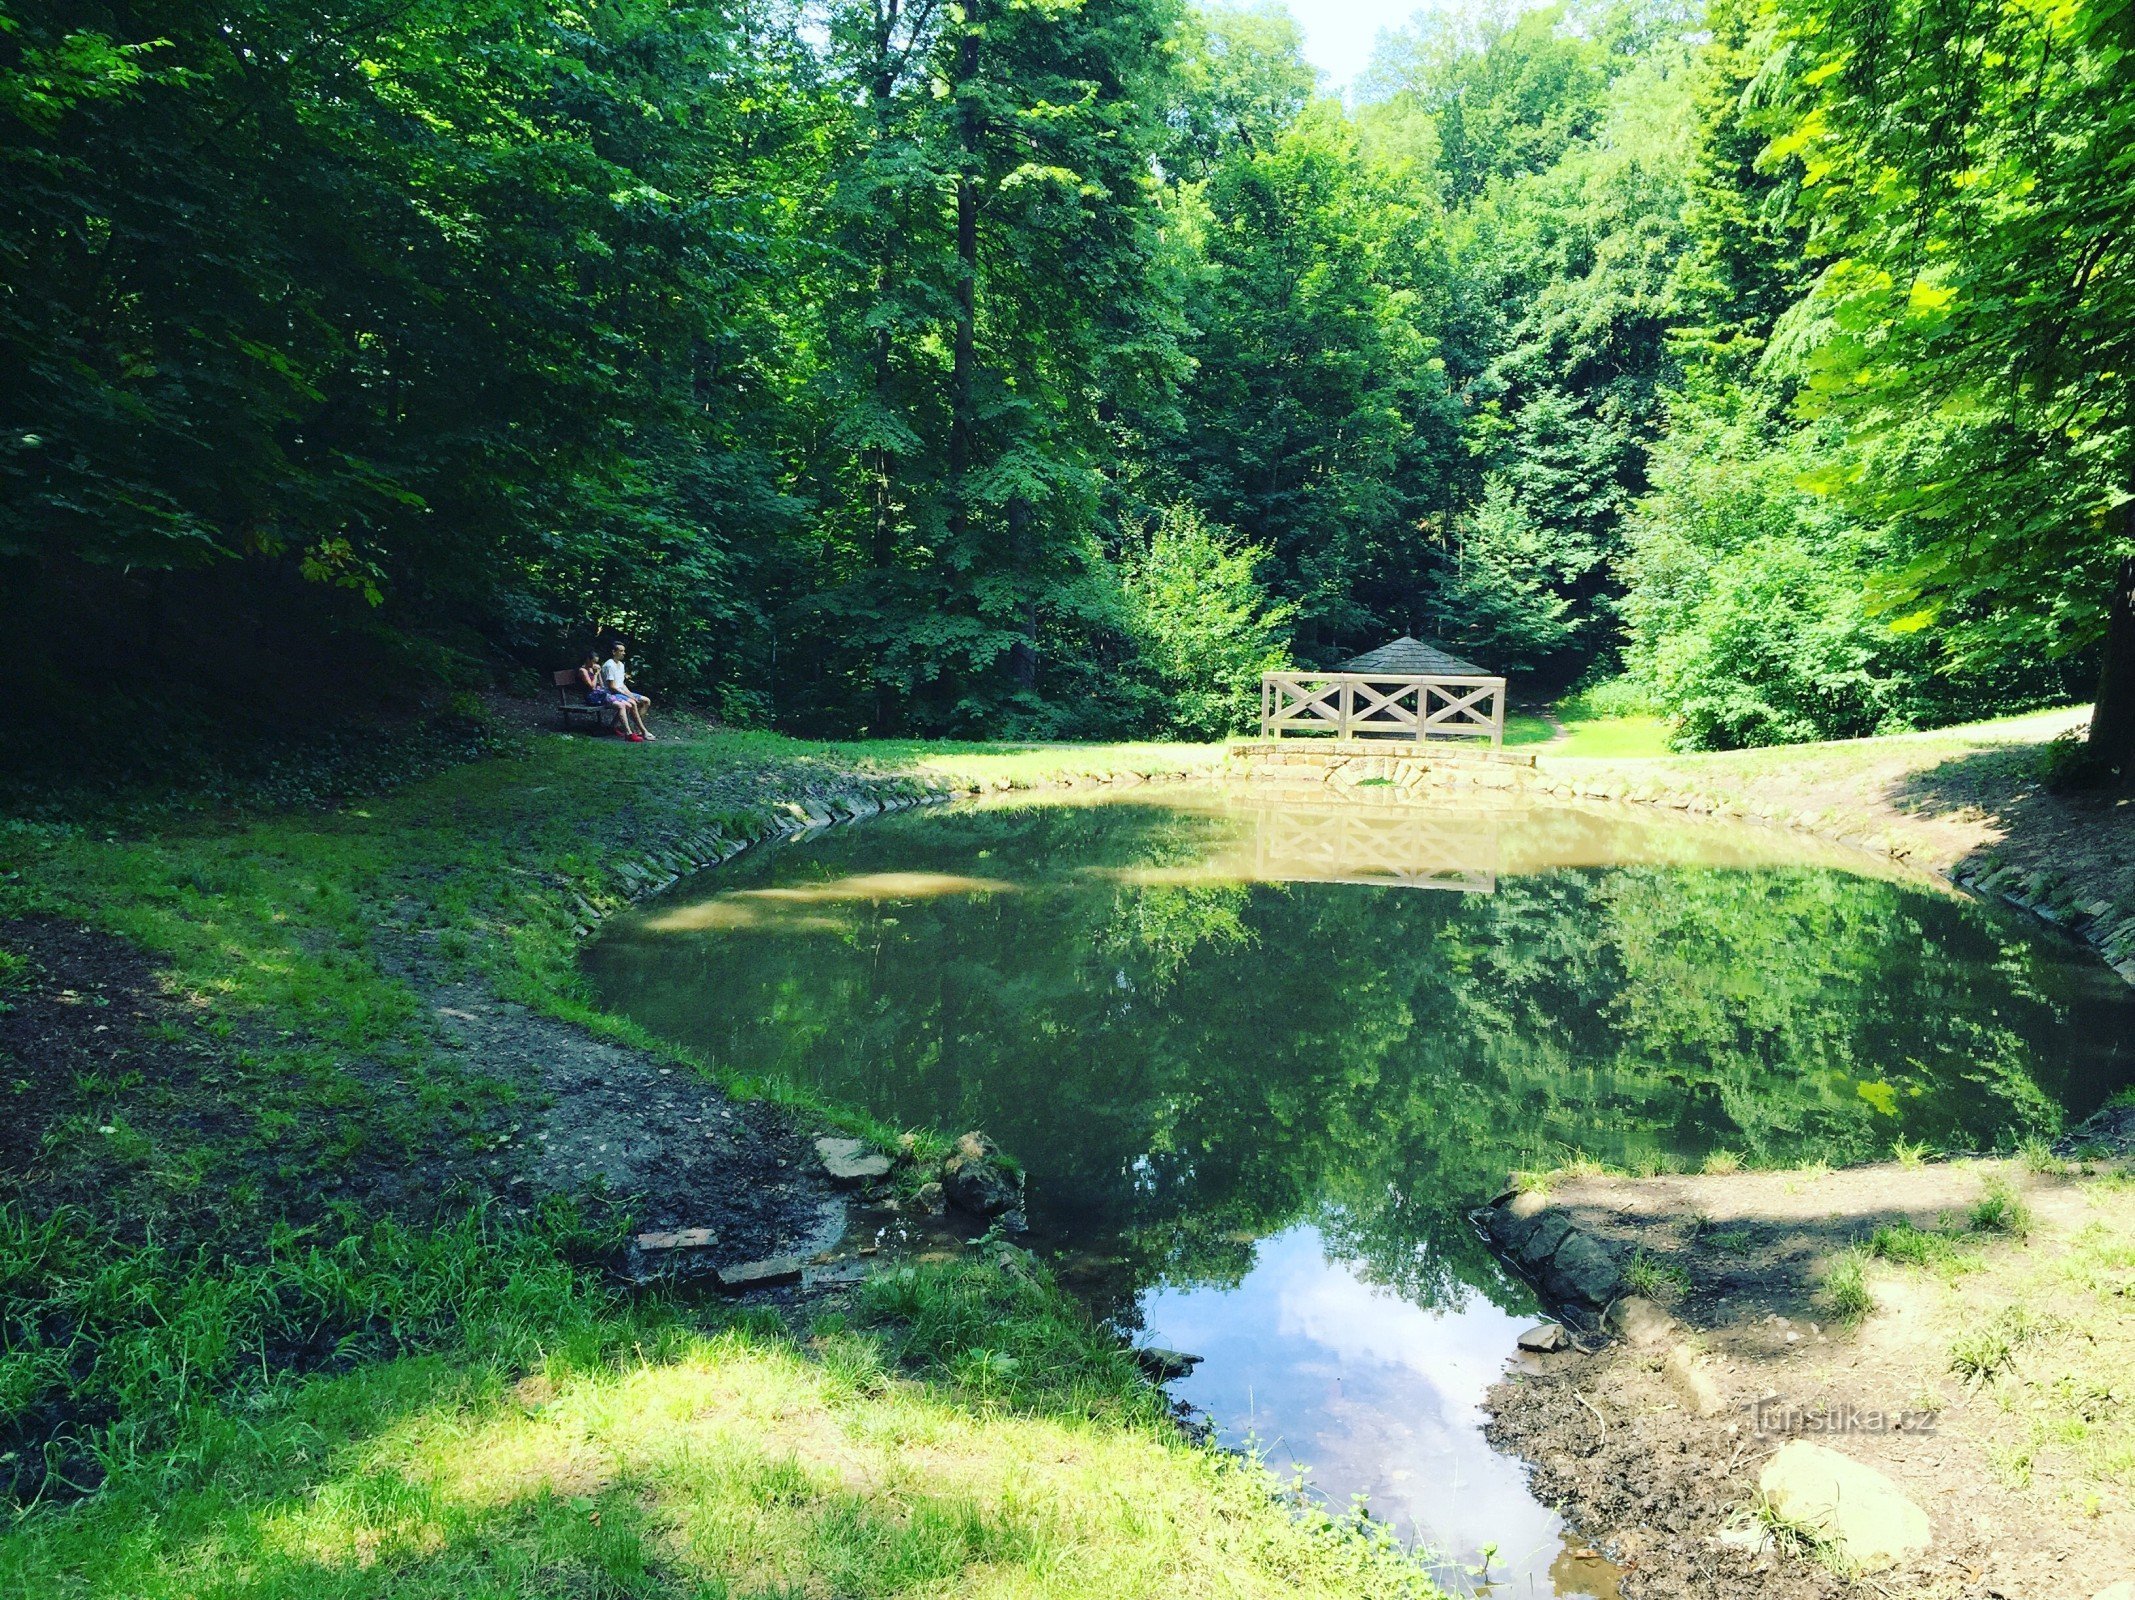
(627, 702)
(589, 680)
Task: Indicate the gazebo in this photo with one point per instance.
(1409, 689)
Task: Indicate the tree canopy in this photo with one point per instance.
(946, 366)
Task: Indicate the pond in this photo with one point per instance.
(1260, 1055)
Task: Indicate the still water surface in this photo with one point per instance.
(1259, 1056)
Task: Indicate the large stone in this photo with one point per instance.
(1519, 1216)
(1544, 1337)
(852, 1160)
(977, 1179)
(1584, 1270)
(1870, 1524)
(1549, 1232)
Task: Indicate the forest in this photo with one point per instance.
(1052, 367)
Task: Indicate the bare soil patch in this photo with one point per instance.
(95, 1059)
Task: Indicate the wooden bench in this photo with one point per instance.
(571, 702)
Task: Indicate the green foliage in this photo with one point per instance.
(1202, 626)
(836, 355)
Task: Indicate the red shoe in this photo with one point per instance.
(622, 734)
(637, 738)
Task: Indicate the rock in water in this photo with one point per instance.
(1164, 1365)
(977, 1179)
(852, 1160)
(929, 1201)
(1544, 1337)
(1863, 1515)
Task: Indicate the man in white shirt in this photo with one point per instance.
(616, 680)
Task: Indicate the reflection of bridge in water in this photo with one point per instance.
(1391, 846)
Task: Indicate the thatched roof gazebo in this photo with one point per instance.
(1408, 689)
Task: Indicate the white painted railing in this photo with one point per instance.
(1360, 705)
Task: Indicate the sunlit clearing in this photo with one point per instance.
(736, 1468)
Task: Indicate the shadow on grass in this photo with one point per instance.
(2083, 837)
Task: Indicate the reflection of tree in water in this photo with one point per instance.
(1186, 1067)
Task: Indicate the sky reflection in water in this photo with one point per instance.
(1259, 1056)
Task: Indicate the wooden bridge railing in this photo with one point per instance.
(1357, 705)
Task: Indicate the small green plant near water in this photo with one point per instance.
(1845, 1287)
(1908, 1153)
(1732, 1240)
(1654, 1279)
(1722, 1162)
(1999, 1209)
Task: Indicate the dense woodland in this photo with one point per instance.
(1053, 366)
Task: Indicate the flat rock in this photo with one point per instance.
(833, 1275)
(1544, 1337)
(852, 1160)
(1164, 1365)
(761, 1274)
(1639, 1321)
(679, 1239)
(1858, 1510)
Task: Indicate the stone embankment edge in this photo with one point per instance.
(2076, 908)
(810, 808)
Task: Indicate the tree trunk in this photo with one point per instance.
(1023, 654)
(2112, 736)
(963, 376)
(883, 93)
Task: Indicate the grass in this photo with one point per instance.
(1845, 1288)
(1906, 1245)
(1654, 1279)
(630, 1453)
(1590, 732)
(297, 1348)
(1981, 1354)
(1999, 1209)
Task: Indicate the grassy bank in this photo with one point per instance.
(276, 1320)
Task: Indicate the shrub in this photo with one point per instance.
(1202, 626)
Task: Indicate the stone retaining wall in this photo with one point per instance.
(1404, 767)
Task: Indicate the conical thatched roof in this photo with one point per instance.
(1407, 657)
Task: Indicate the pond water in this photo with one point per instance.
(1260, 1055)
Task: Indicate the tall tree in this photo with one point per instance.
(1967, 173)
